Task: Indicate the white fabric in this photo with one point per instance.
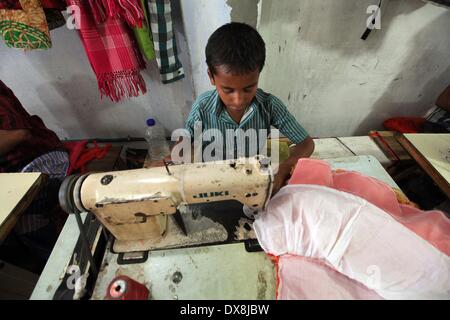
(354, 237)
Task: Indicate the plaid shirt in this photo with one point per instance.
(55, 165)
(164, 41)
(12, 117)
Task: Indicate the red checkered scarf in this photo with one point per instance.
(129, 11)
(112, 53)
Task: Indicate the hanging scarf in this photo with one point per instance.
(53, 4)
(112, 53)
(52, 11)
(129, 11)
(170, 67)
(134, 12)
(26, 28)
(143, 35)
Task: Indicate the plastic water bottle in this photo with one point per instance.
(158, 148)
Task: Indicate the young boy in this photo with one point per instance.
(235, 55)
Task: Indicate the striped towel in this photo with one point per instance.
(164, 42)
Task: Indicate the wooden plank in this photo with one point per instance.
(365, 146)
(436, 149)
(329, 148)
(387, 143)
(17, 191)
(428, 164)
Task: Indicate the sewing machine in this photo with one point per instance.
(135, 204)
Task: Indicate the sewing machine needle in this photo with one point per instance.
(180, 222)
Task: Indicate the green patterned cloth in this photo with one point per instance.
(26, 28)
(19, 35)
(143, 35)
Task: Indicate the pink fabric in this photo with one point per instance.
(432, 226)
(311, 279)
(356, 250)
(304, 227)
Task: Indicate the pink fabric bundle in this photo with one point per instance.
(342, 235)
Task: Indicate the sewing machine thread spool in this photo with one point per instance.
(125, 288)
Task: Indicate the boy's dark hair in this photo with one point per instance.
(236, 46)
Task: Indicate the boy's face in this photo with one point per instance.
(236, 91)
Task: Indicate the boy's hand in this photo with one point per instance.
(281, 178)
(302, 150)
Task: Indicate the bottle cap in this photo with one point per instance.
(151, 122)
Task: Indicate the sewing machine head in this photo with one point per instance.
(135, 204)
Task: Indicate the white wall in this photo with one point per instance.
(337, 84)
(60, 86)
(201, 18)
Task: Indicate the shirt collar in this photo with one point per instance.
(218, 106)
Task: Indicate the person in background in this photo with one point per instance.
(27, 145)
